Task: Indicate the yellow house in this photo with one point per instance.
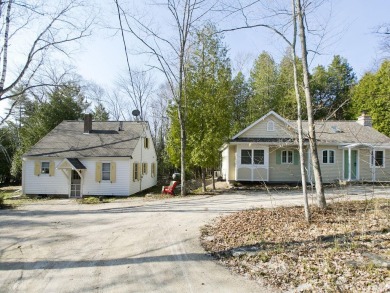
(267, 151)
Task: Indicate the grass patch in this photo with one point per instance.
(95, 200)
(329, 255)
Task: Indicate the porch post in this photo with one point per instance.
(349, 164)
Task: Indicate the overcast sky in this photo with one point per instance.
(350, 34)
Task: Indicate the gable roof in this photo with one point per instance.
(285, 121)
(327, 132)
(68, 140)
(346, 132)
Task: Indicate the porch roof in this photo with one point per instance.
(365, 145)
(71, 163)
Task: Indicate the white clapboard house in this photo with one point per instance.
(91, 158)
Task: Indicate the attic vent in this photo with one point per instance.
(335, 129)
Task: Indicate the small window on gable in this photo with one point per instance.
(45, 167)
(271, 126)
(146, 142)
(378, 159)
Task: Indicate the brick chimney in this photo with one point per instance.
(87, 123)
(365, 119)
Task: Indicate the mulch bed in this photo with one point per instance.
(345, 248)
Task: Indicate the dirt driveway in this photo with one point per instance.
(125, 246)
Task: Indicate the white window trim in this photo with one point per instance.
(106, 180)
(48, 173)
(328, 157)
(270, 125)
(372, 158)
(292, 157)
(252, 157)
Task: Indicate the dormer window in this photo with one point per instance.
(271, 126)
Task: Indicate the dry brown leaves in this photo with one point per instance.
(326, 256)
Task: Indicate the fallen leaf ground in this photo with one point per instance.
(331, 254)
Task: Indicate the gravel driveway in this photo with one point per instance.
(127, 245)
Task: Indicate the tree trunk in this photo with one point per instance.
(204, 179)
(321, 202)
(183, 143)
(212, 172)
(299, 121)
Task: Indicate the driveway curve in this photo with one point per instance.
(124, 246)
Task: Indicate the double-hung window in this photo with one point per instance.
(246, 157)
(328, 156)
(45, 167)
(287, 157)
(252, 157)
(106, 171)
(377, 158)
(144, 168)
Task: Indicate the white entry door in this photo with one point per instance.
(75, 184)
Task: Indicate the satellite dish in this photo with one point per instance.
(136, 113)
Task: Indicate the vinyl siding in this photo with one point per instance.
(331, 172)
(118, 188)
(43, 184)
(260, 130)
(142, 155)
(283, 172)
(232, 162)
(367, 173)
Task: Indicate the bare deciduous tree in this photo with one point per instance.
(139, 87)
(30, 33)
(170, 52)
(294, 19)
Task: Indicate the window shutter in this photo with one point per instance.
(146, 168)
(134, 171)
(51, 168)
(113, 172)
(98, 172)
(139, 172)
(296, 157)
(278, 157)
(37, 168)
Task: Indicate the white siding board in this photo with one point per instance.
(44, 184)
(143, 155)
(118, 188)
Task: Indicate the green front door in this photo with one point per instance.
(353, 165)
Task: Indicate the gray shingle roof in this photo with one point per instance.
(67, 140)
(341, 132)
